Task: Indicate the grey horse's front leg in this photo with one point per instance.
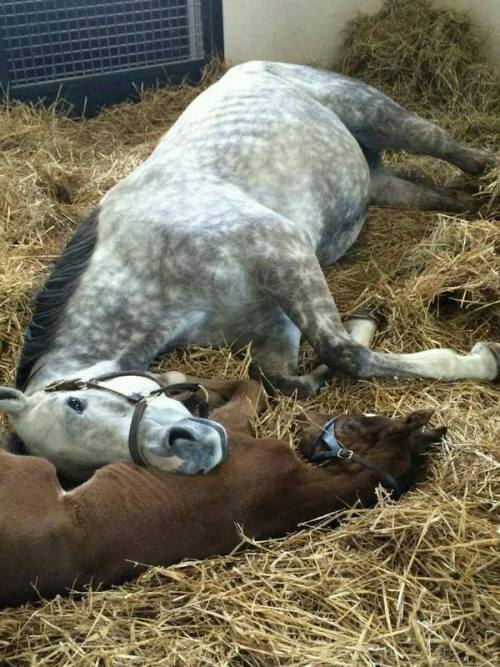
(275, 358)
(275, 353)
(298, 286)
(361, 326)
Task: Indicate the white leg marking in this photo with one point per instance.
(171, 377)
(479, 364)
(361, 330)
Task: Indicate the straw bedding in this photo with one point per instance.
(412, 583)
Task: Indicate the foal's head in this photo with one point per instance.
(396, 446)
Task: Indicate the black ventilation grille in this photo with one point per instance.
(54, 40)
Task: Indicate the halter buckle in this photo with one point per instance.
(345, 454)
(66, 385)
(327, 438)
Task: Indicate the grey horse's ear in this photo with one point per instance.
(12, 401)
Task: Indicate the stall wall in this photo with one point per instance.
(310, 31)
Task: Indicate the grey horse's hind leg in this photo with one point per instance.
(409, 132)
(386, 189)
(378, 122)
(298, 286)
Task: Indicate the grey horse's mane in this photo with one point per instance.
(50, 300)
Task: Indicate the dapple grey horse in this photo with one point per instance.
(219, 237)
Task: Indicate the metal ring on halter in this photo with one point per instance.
(192, 387)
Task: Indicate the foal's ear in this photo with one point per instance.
(421, 441)
(12, 401)
(412, 428)
(418, 419)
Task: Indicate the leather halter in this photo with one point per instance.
(140, 402)
(336, 450)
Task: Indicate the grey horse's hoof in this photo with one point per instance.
(494, 350)
(373, 314)
(478, 162)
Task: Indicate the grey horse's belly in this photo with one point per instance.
(253, 160)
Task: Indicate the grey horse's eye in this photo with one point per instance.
(76, 404)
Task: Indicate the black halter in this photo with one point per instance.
(191, 402)
(337, 451)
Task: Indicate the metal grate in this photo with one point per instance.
(53, 40)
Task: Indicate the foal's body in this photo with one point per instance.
(126, 517)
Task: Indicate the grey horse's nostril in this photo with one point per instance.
(177, 432)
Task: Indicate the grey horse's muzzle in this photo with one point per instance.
(200, 445)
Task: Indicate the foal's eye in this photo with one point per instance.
(76, 404)
(350, 425)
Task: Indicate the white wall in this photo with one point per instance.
(307, 31)
(310, 31)
(486, 13)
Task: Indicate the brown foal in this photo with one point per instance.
(52, 540)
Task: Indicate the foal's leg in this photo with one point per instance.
(298, 286)
(219, 391)
(246, 402)
(233, 402)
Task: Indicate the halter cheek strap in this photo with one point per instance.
(336, 450)
(327, 437)
(191, 402)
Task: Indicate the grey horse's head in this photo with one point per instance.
(82, 430)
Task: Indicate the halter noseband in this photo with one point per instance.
(336, 450)
(140, 402)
